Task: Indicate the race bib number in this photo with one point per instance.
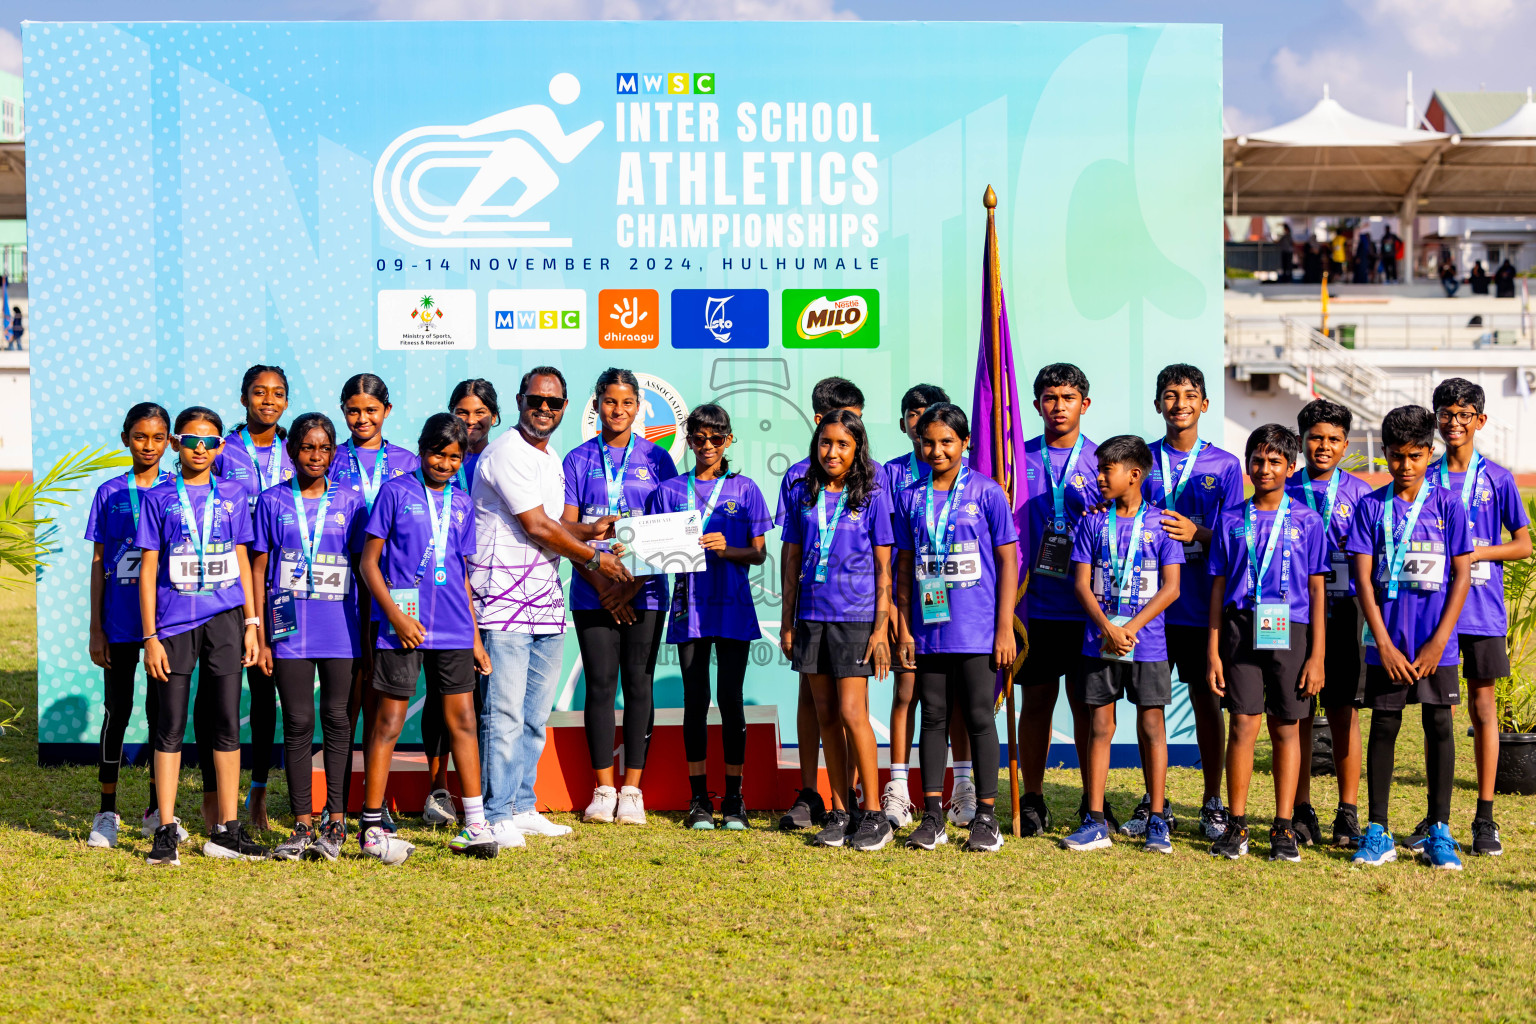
(1194, 551)
(1423, 568)
(1336, 580)
(330, 578)
(1482, 572)
(1147, 584)
(961, 569)
(126, 570)
(217, 569)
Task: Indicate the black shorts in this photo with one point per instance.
(1262, 682)
(1483, 657)
(1055, 650)
(448, 671)
(1146, 684)
(219, 642)
(1443, 687)
(1344, 660)
(832, 648)
(1188, 647)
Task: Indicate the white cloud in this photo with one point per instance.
(1362, 86)
(1441, 28)
(635, 10)
(1239, 121)
(10, 52)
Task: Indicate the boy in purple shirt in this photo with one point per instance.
(1060, 471)
(1193, 481)
(1334, 495)
(1491, 500)
(1125, 573)
(1413, 568)
(1268, 559)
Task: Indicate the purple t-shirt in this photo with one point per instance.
(1309, 556)
(787, 483)
(1341, 574)
(586, 487)
(400, 516)
(1440, 535)
(898, 474)
(234, 466)
(1157, 550)
(982, 522)
(110, 524)
(1496, 506)
(848, 595)
(719, 599)
(326, 613)
(1215, 484)
(397, 462)
(180, 603)
(1054, 597)
(466, 477)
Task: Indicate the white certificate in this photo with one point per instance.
(656, 545)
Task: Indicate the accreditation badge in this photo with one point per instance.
(934, 596)
(1054, 558)
(1272, 627)
(1108, 655)
(284, 614)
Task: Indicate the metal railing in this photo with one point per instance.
(1469, 330)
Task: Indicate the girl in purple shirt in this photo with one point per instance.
(199, 612)
(117, 632)
(309, 533)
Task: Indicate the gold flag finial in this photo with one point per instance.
(990, 199)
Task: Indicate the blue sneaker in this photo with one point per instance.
(1376, 847)
(1158, 840)
(1091, 835)
(1439, 849)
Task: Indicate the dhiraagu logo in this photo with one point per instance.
(818, 318)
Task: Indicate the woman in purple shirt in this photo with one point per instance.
(618, 625)
(309, 533)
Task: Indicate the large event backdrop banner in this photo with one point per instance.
(732, 210)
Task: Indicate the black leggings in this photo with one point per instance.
(693, 659)
(966, 682)
(295, 682)
(610, 652)
(1439, 760)
(117, 708)
(263, 727)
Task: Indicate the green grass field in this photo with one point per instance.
(657, 923)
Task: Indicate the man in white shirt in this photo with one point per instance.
(519, 493)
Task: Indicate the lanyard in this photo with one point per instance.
(133, 498)
(371, 484)
(709, 503)
(309, 546)
(941, 532)
(1110, 545)
(1328, 500)
(189, 519)
(439, 524)
(1397, 547)
(1257, 570)
(912, 465)
(1468, 484)
(824, 552)
(1171, 498)
(1059, 488)
(615, 480)
(274, 460)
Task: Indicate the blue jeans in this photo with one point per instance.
(516, 700)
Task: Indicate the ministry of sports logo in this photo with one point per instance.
(662, 415)
(498, 150)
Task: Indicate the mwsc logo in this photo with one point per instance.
(671, 83)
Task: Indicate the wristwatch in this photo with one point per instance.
(595, 561)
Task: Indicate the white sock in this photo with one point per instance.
(899, 772)
(474, 810)
(962, 769)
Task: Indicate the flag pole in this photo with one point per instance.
(993, 314)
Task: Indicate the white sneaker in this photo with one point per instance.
(896, 802)
(439, 809)
(104, 830)
(605, 799)
(962, 802)
(152, 822)
(532, 823)
(631, 807)
(507, 836)
(387, 848)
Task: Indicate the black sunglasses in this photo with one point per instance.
(549, 402)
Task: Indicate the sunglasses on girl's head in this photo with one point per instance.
(550, 402)
(194, 441)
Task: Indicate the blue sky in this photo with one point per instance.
(1278, 54)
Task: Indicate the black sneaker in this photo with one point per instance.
(1232, 843)
(807, 811)
(986, 837)
(834, 828)
(855, 818)
(1136, 824)
(1034, 816)
(328, 841)
(163, 852)
(1420, 833)
(294, 847)
(1213, 818)
(701, 814)
(733, 813)
(929, 834)
(1282, 845)
(1346, 828)
(1308, 829)
(234, 843)
(873, 833)
(1485, 838)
